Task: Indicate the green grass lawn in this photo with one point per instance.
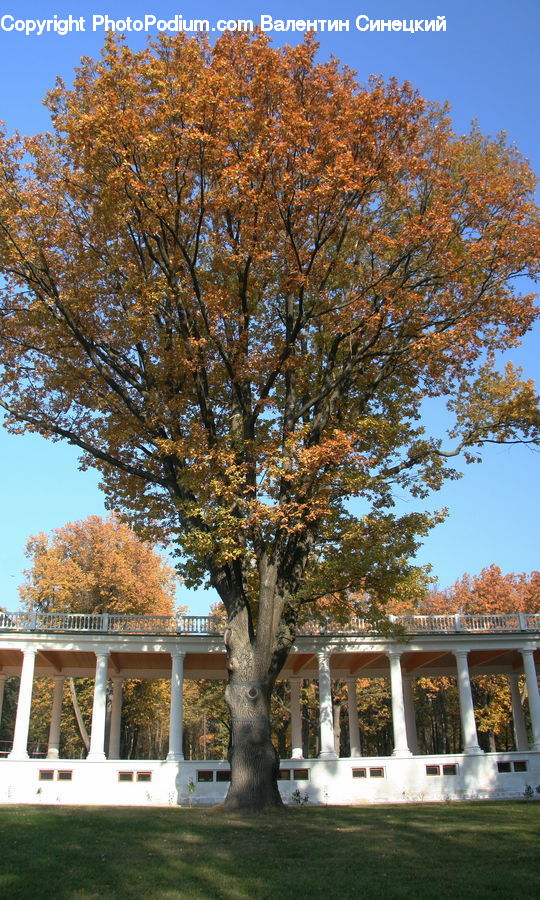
(460, 850)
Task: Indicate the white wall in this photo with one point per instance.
(329, 781)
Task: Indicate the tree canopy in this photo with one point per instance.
(96, 566)
(100, 566)
(491, 592)
(232, 276)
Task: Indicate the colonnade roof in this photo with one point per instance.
(137, 656)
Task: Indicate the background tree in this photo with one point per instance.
(492, 591)
(206, 720)
(232, 275)
(96, 566)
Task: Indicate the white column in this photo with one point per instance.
(518, 719)
(466, 707)
(296, 718)
(529, 668)
(99, 709)
(176, 721)
(53, 749)
(325, 708)
(401, 747)
(354, 725)
(2, 686)
(116, 718)
(410, 714)
(20, 737)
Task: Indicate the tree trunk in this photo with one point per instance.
(253, 758)
(78, 714)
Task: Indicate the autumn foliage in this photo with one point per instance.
(235, 275)
(491, 591)
(96, 566)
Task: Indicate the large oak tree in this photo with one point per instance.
(232, 277)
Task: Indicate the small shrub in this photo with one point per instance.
(297, 798)
(528, 793)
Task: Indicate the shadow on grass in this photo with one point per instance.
(434, 850)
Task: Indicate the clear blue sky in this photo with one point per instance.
(487, 65)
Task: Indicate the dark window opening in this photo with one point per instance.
(125, 776)
(205, 775)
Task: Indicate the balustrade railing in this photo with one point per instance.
(429, 624)
(202, 625)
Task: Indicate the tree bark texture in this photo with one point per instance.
(254, 759)
(78, 715)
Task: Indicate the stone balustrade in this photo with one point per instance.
(112, 623)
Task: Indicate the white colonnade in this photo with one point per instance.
(403, 713)
(403, 710)
(96, 752)
(53, 750)
(326, 713)
(531, 676)
(22, 722)
(176, 721)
